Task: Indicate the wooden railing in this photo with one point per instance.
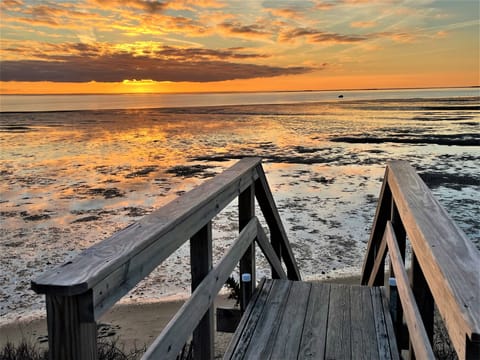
(80, 291)
(444, 269)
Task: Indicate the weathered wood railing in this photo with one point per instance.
(444, 269)
(81, 290)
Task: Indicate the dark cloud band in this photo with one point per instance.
(119, 67)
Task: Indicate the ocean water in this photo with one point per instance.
(72, 178)
(33, 103)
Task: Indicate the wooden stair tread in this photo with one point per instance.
(293, 319)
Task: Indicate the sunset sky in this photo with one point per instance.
(104, 46)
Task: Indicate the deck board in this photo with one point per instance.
(315, 325)
(261, 344)
(300, 320)
(339, 330)
(363, 333)
(248, 323)
(289, 335)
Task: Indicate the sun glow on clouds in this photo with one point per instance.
(142, 86)
(213, 45)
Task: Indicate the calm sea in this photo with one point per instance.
(32, 103)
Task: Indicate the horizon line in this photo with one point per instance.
(243, 92)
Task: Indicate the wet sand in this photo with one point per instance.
(69, 180)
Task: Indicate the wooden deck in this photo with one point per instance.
(299, 320)
(285, 318)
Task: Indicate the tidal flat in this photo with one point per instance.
(70, 179)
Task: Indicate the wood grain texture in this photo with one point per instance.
(385, 336)
(377, 276)
(392, 342)
(269, 253)
(168, 344)
(418, 335)
(242, 337)
(68, 336)
(269, 321)
(339, 330)
(289, 336)
(246, 211)
(298, 320)
(382, 214)
(449, 260)
(400, 235)
(274, 221)
(363, 331)
(423, 297)
(315, 327)
(201, 264)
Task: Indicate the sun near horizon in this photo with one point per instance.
(178, 46)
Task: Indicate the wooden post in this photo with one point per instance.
(400, 235)
(246, 210)
(382, 215)
(274, 221)
(201, 264)
(72, 332)
(277, 247)
(423, 298)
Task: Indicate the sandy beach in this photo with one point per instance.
(134, 325)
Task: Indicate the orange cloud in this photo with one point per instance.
(154, 6)
(130, 17)
(363, 24)
(12, 5)
(317, 36)
(148, 6)
(322, 5)
(286, 13)
(189, 4)
(174, 24)
(441, 34)
(402, 37)
(236, 29)
(50, 15)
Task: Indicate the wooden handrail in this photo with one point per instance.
(135, 245)
(418, 334)
(443, 256)
(81, 290)
(277, 232)
(173, 337)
